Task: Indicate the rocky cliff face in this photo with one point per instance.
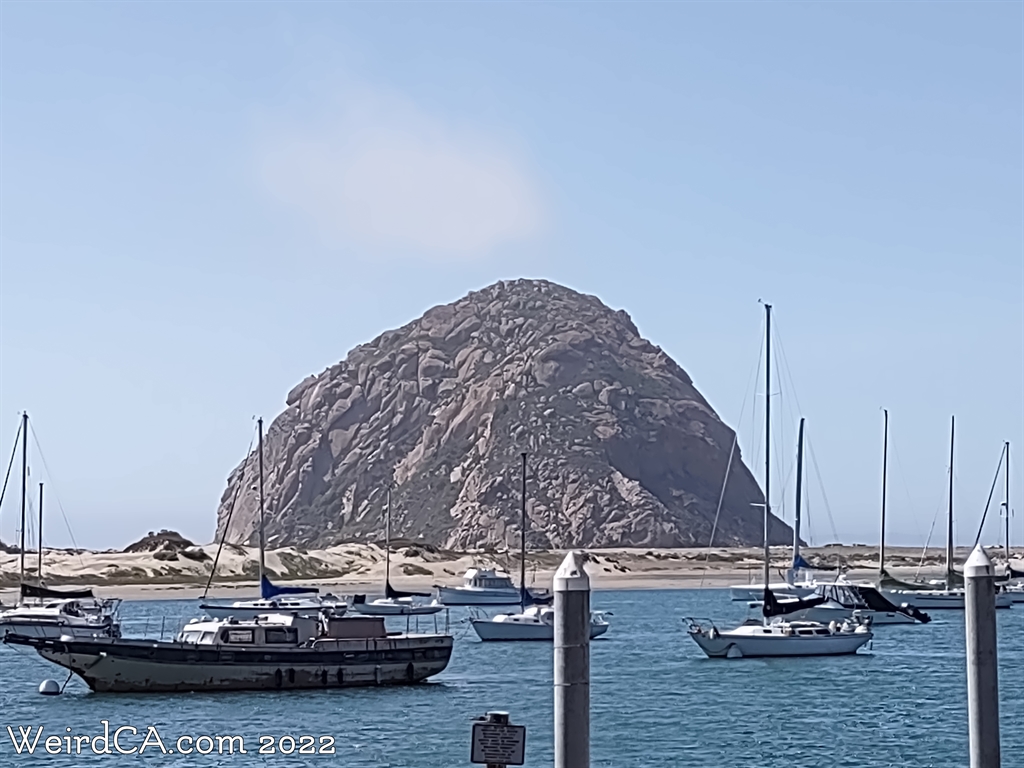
(622, 449)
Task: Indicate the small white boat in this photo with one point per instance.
(536, 622)
(393, 606)
(265, 653)
(303, 606)
(60, 618)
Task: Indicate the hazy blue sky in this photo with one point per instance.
(204, 203)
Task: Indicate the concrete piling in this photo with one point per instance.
(982, 660)
(572, 663)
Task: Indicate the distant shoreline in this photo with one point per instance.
(359, 568)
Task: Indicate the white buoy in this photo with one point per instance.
(49, 688)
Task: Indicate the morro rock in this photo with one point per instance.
(623, 450)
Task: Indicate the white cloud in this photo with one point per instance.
(389, 179)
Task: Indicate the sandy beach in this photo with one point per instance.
(359, 568)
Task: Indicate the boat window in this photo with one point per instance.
(207, 637)
(190, 637)
(237, 635)
(282, 635)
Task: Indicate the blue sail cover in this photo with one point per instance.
(800, 564)
(268, 590)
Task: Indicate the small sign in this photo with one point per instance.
(498, 744)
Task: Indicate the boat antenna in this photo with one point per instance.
(522, 538)
(40, 568)
(799, 479)
(885, 471)
(949, 523)
(263, 563)
(767, 439)
(24, 493)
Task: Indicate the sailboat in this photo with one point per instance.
(394, 602)
(765, 637)
(273, 598)
(43, 612)
(840, 599)
(929, 596)
(534, 621)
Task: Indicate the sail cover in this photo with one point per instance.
(31, 590)
(799, 564)
(394, 594)
(772, 607)
(268, 590)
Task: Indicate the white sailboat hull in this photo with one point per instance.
(741, 644)
(242, 610)
(489, 630)
(937, 600)
(477, 596)
(385, 607)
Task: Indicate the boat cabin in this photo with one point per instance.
(280, 630)
(487, 578)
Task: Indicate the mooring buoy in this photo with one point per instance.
(49, 688)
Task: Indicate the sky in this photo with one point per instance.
(201, 204)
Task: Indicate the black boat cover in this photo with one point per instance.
(772, 607)
(31, 590)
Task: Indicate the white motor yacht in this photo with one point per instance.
(939, 599)
(537, 622)
(482, 586)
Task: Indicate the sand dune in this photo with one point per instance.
(360, 567)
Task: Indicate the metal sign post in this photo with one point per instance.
(496, 743)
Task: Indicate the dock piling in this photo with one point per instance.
(982, 660)
(572, 663)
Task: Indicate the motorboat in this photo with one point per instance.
(267, 652)
(60, 618)
(536, 622)
(756, 639)
(481, 586)
(393, 606)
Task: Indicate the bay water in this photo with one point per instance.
(655, 700)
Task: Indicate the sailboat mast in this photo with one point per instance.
(387, 542)
(24, 493)
(949, 525)
(885, 474)
(40, 569)
(1006, 501)
(263, 563)
(799, 488)
(522, 539)
(767, 437)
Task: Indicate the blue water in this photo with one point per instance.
(656, 701)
